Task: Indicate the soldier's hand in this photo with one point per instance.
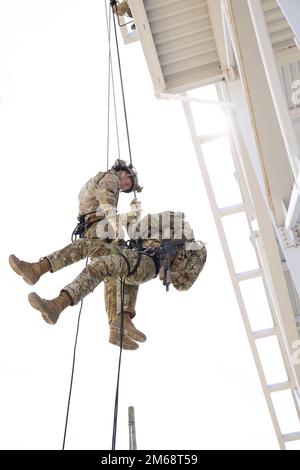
(135, 204)
(135, 208)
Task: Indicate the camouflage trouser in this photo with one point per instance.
(112, 293)
(107, 262)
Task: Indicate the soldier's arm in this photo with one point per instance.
(134, 215)
(107, 196)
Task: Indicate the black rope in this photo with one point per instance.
(111, 81)
(122, 87)
(72, 373)
(115, 422)
(108, 21)
(74, 235)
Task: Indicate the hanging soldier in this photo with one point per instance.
(121, 8)
(160, 244)
(98, 218)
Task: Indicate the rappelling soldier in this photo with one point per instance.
(121, 8)
(160, 244)
(98, 201)
(98, 217)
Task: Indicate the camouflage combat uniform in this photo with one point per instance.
(98, 200)
(107, 261)
(112, 262)
(123, 9)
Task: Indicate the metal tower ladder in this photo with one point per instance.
(237, 277)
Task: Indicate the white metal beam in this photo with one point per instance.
(272, 154)
(267, 54)
(235, 280)
(280, 104)
(291, 10)
(279, 387)
(230, 210)
(270, 260)
(260, 334)
(278, 178)
(193, 99)
(293, 212)
(293, 436)
(216, 19)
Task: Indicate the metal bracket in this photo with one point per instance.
(231, 73)
(289, 238)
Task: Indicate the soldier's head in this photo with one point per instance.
(126, 181)
(127, 176)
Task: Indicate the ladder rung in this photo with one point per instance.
(230, 210)
(279, 387)
(265, 333)
(248, 274)
(293, 436)
(204, 139)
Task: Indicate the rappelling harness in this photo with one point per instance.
(83, 225)
(162, 256)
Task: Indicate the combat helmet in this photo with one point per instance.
(120, 165)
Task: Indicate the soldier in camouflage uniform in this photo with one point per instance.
(134, 265)
(121, 8)
(98, 201)
(98, 218)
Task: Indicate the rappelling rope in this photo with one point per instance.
(115, 421)
(122, 286)
(109, 82)
(72, 373)
(122, 88)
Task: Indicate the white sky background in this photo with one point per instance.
(193, 383)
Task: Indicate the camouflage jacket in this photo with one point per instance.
(189, 259)
(98, 201)
(188, 263)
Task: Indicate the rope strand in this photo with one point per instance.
(72, 374)
(108, 23)
(122, 290)
(111, 81)
(122, 88)
(115, 422)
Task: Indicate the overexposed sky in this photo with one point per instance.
(193, 383)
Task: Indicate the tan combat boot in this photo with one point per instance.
(31, 272)
(50, 309)
(130, 331)
(114, 338)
